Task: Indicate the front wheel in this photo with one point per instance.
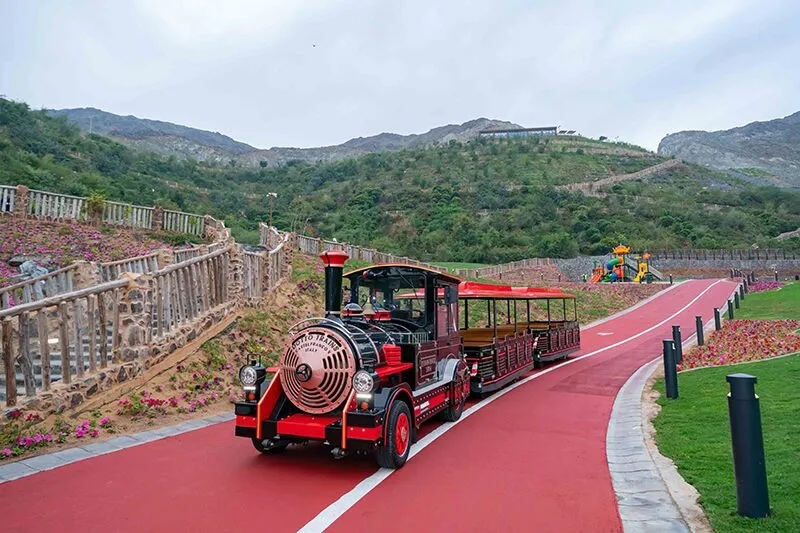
(394, 452)
(279, 448)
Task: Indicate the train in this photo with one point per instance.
(393, 350)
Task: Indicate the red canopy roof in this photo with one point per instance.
(475, 290)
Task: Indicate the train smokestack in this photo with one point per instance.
(334, 266)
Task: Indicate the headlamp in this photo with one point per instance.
(248, 376)
(363, 382)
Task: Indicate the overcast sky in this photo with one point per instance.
(315, 73)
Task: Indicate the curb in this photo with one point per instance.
(651, 494)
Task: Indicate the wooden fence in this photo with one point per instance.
(61, 207)
(8, 198)
(85, 323)
(746, 254)
(506, 267)
(313, 246)
(144, 264)
(132, 216)
(31, 290)
(188, 290)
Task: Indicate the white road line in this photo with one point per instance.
(331, 513)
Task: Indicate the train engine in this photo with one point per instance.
(363, 378)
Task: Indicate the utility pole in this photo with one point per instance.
(271, 195)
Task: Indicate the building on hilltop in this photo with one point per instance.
(519, 132)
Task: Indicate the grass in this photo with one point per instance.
(694, 431)
(772, 305)
(452, 267)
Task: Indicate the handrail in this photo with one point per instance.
(177, 266)
(43, 277)
(55, 300)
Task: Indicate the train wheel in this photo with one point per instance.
(394, 452)
(275, 449)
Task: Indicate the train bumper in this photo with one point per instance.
(364, 429)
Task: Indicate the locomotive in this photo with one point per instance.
(364, 377)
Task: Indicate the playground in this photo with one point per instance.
(626, 267)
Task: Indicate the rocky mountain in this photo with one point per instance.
(760, 152)
(377, 143)
(156, 136)
(171, 139)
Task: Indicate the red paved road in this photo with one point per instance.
(533, 459)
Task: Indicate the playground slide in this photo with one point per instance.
(596, 278)
(611, 264)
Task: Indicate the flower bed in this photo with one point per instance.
(761, 286)
(745, 340)
(61, 244)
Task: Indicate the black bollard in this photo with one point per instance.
(676, 338)
(741, 291)
(717, 320)
(730, 310)
(746, 285)
(670, 372)
(776, 275)
(698, 322)
(670, 279)
(747, 440)
(736, 300)
(732, 273)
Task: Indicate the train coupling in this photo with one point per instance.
(338, 453)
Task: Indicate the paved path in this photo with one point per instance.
(529, 458)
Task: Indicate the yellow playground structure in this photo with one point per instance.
(625, 267)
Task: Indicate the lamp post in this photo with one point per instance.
(271, 195)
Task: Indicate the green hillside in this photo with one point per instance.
(482, 201)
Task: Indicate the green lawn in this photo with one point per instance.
(781, 304)
(694, 431)
(456, 266)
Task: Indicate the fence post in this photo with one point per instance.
(670, 372)
(747, 441)
(736, 300)
(717, 320)
(730, 310)
(676, 338)
(741, 291)
(21, 202)
(698, 320)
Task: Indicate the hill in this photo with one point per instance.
(478, 200)
(161, 137)
(183, 142)
(760, 152)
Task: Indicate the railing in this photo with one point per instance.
(8, 198)
(262, 271)
(506, 267)
(252, 272)
(312, 246)
(31, 290)
(144, 264)
(184, 254)
(747, 254)
(134, 216)
(188, 290)
(85, 321)
(51, 206)
(183, 222)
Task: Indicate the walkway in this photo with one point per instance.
(529, 458)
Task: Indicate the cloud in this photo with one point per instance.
(322, 71)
